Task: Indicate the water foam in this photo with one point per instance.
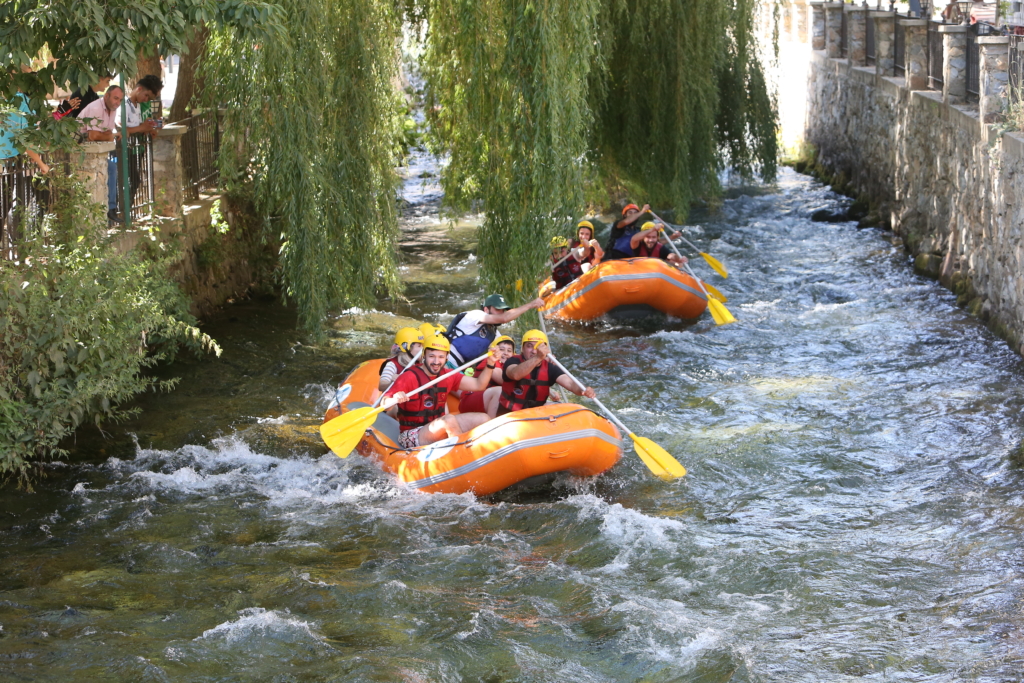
(257, 622)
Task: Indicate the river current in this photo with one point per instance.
(853, 508)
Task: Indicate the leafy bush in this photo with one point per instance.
(79, 324)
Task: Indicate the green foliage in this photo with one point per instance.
(507, 87)
(79, 323)
(316, 119)
(86, 38)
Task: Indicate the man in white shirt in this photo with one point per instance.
(472, 332)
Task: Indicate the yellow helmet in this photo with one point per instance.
(648, 225)
(584, 224)
(535, 336)
(503, 338)
(558, 241)
(406, 337)
(428, 330)
(437, 342)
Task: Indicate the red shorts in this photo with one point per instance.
(472, 402)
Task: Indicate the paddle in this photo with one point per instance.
(656, 458)
(719, 312)
(343, 433)
(715, 264)
(411, 363)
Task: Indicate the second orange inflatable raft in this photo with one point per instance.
(628, 283)
(557, 437)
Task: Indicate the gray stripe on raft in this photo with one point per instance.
(627, 277)
(512, 448)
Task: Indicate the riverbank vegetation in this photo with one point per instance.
(79, 324)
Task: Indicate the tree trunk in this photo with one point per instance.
(146, 65)
(188, 84)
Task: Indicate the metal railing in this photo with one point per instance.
(1016, 69)
(900, 48)
(934, 56)
(140, 177)
(844, 34)
(974, 59)
(200, 146)
(869, 40)
(25, 197)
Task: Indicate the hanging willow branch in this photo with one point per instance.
(507, 90)
(314, 117)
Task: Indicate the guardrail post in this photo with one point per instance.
(833, 28)
(916, 53)
(885, 42)
(856, 34)
(817, 10)
(995, 77)
(954, 63)
(800, 20)
(168, 172)
(89, 163)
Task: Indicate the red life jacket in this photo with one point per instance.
(566, 271)
(424, 407)
(398, 366)
(657, 252)
(528, 392)
(592, 259)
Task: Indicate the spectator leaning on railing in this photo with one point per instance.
(16, 121)
(78, 101)
(99, 126)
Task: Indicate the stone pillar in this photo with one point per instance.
(833, 27)
(801, 19)
(994, 77)
(89, 164)
(817, 9)
(856, 34)
(885, 42)
(787, 20)
(954, 63)
(916, 53)
(168, 171)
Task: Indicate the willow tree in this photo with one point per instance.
(507, 87)
(313, 114)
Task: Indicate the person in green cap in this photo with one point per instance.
(472, 332)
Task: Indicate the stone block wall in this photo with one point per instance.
(949, 185)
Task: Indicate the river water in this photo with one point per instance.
(853, 508)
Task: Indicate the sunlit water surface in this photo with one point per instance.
(852, 510)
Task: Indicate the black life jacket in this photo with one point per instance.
(592, 259)
(528, 392)
(424, 407)
(566, 271)
(657, 252)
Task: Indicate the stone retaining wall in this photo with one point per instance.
(950, 186)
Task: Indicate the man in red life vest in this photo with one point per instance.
(566, 266)
(421, 418)
(473, 401)
(529, 376)
(646, 244)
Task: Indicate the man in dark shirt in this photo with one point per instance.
(79, 101)
(529, 376)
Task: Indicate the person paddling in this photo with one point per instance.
(529, 376)
(473, 401)
(588, 252)
(421, 418)
(473, 331)
(408, 342)
(622, 232)
(647, 244)
(565, 267)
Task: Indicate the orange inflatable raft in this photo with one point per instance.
(636, 285)
(557, 437)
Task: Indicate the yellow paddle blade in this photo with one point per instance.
(657, 459)
(343, 433)
(720, 313)
(715, 293)
(715, 264)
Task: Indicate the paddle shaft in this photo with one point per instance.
(411, 363)
(677, 227)
(596, 400)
